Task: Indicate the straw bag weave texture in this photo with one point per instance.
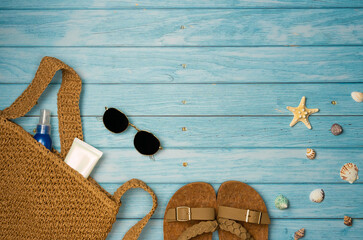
(41, 196)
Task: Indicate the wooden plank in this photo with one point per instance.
(202, 65)
(279, 229)
(201, 99)
(149, 4)
(227, 27)
(136, 203)
(217, 165)
(221, 132)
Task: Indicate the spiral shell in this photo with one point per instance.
(317, 195)
(348, 221)
(281, 202)
(310, 153)
(357, 96)
(299, 234)
(349, 172)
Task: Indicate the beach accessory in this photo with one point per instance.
(82, 157)
(117, 122)
(41, 196)
(191, 213)
(42, 133)
(243, 211)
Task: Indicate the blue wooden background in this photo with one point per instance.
(224, 71)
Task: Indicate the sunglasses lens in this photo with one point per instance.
(146, 143)
(115, 121)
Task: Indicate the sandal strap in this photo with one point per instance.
(199, 229)
(183, 214)
(211, 226)
(234, 228)
(243, 215)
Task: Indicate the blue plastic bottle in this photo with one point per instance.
(43, 129)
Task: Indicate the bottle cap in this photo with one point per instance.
(44, 118)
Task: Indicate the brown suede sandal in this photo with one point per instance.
(190, 213)
(242, 213)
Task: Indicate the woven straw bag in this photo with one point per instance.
(41, 196)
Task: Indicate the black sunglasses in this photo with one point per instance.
(145, 142)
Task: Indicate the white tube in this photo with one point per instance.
(82, 157)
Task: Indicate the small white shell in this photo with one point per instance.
(310, 153)
(357, 96)
(349, 172)
(317, 195)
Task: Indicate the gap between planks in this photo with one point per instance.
(186, 46)
(143, 8)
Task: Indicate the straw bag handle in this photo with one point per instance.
(134, 232)
(70, 125)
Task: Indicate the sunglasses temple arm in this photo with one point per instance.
(132, 125)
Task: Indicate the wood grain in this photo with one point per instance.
(221, 132)
(279, 229)
(192, 65)
(119, 4)
(227, 27)
(202, 99)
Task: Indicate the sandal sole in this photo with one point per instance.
(240, 195)
(194, 195)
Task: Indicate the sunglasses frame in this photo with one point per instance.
(137, 129)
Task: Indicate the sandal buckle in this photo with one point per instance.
(180, 217)
(259, 218)
(247, 215)
(255, 219)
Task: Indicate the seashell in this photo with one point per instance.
(317, 195)
(310, 153)
(299, 234)
(349, 172)
(357, 96)
(336, 129)
(348, 221)
(281, 202)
